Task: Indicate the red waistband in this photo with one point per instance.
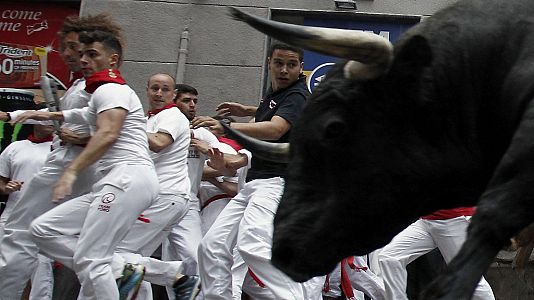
(214, 198)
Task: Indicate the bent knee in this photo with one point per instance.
(38, 230)
(211, 244)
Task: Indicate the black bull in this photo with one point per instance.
(442, 119)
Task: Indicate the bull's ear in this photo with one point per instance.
(410, 59)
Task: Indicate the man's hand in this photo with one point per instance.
(69, 136)
(216, 159)
(63, 186)
(227, 164)
(13, 186)
(235, 162)
(200, 145)
(213, 125)
(235, 109)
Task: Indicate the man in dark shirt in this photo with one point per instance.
(272, 121)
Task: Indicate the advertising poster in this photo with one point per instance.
(317, 65)
(23, 27)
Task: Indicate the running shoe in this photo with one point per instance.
(187, 287)
(130, 281)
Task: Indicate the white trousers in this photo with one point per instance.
(239, 272)
(84, 232)
(256, 291)
(147, 234)
(361, 278)
(215, 252)
(418, 239)
(42, 278)
(182, 243)
(143, 239)
(209, 214)
(18, 252)
(255, 242)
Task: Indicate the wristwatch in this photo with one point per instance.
(226, 122)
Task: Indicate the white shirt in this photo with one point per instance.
(76, 97)
(242, 172)
(171, 162)
(131, 147)
(196, 160)
(20, 161)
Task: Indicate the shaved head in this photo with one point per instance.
(158, 75)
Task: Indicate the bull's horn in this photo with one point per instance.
(277, 152)
(364, 47)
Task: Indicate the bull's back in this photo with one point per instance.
(481, 53)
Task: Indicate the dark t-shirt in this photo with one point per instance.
(287, 104)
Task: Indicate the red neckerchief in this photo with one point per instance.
(103, 77)
(74, 76)
(230, 143)
(32, 138)
(156, 111)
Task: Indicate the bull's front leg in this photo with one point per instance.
(506, 207)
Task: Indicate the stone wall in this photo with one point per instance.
(510, 283)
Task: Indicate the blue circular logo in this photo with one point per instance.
(317, 75)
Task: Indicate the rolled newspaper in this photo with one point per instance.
(48, 87)
(51, 99)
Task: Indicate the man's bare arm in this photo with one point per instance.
(159, 141)
(108, 127)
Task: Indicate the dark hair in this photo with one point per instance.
(102, 22)
(280, 46)
(182, 88)
(109, 40)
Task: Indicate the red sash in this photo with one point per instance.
(230, 143)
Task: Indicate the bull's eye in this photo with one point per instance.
(334, 129)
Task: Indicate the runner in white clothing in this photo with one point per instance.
(273, 120)
(168, 138)
(19, 162)
(215, 190)
(128, 182)
(18, 253)
(184, 238)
